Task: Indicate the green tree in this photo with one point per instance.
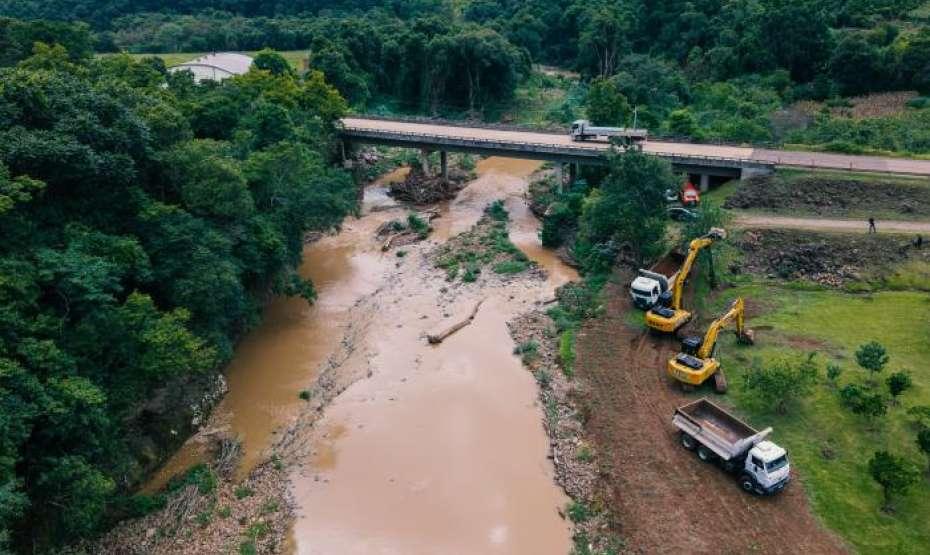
(859, 401)
(894, 474)
(898, 383)
(923, 443)
(272, 62)
(682, 123)
(780, 383)
(606, 105)
(627, 211)
(872, 357)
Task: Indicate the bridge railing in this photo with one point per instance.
(588, 149)
(655, 135)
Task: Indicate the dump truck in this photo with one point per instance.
(653, 286)
(719, 437)
(582, 130)
(668, 315)
(697, 361)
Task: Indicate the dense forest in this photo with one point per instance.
(145, 217)
(702, 69)
(144, 220)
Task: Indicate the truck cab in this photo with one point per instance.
(766, 469)
(645, 292)
(578, 130)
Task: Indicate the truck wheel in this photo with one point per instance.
(705, 454)
(688, 442)
(745, 482)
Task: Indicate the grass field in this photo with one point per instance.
(294, 57)
(829, 445)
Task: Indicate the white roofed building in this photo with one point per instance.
(216, 66)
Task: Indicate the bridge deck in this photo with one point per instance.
(553, 146)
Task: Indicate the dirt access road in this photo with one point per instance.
(829, 224)
(779, 157)
(664, 498)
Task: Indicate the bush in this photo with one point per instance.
(579, 512)
(898, 383)
(417, 225)
(199, 475)
(833, 373)
(241, 492)
(510, 267)
(496, 211)
(781, 382)
(528, 351)
(894, 474)
(870, 405)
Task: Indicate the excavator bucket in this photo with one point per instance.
(748, 337)
(717, 233)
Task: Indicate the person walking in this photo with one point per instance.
(872, 225)
(919, 242)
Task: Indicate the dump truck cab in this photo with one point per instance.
(646, 292)
(766, 469)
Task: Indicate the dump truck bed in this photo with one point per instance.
(720, 431)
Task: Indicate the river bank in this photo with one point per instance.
(461, 457)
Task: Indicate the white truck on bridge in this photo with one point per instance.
(719, 436)
(582, 130)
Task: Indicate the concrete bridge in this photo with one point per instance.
(701, 160)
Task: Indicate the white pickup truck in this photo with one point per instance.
(720, 437)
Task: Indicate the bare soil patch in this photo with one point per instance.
(831, 259)
(832, 196)
(664, 498)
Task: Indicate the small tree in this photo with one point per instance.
(870, 405)
(833, 373)
(782, 382)
(898, 383)
(894, 474)
(872, 357)
(923, 443)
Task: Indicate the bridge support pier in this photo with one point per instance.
(705, 182)
(444, 164)
(424, 161)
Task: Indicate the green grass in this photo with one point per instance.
(834, 324)
(567, 352)
(294, 57)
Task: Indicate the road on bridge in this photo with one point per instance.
(784, 158)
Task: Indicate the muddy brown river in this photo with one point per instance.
(441, 449)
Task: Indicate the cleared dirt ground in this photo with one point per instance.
(834, 196)
(664, 499)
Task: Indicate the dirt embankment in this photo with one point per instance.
(832, 259)
(832, 196)
(664, 498)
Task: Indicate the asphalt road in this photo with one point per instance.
(786, 158)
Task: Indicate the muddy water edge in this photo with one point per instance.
(402, 447)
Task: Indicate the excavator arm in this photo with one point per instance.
(735, 313)
(693, 249)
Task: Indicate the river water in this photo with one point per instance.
(441, 449)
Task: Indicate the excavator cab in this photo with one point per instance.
(691, 344)
(697, 360)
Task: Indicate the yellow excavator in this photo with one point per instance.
(668, 315)
(697, 362)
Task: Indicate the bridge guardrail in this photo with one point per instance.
(596, 149)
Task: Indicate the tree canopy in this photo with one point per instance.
(143, 217)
